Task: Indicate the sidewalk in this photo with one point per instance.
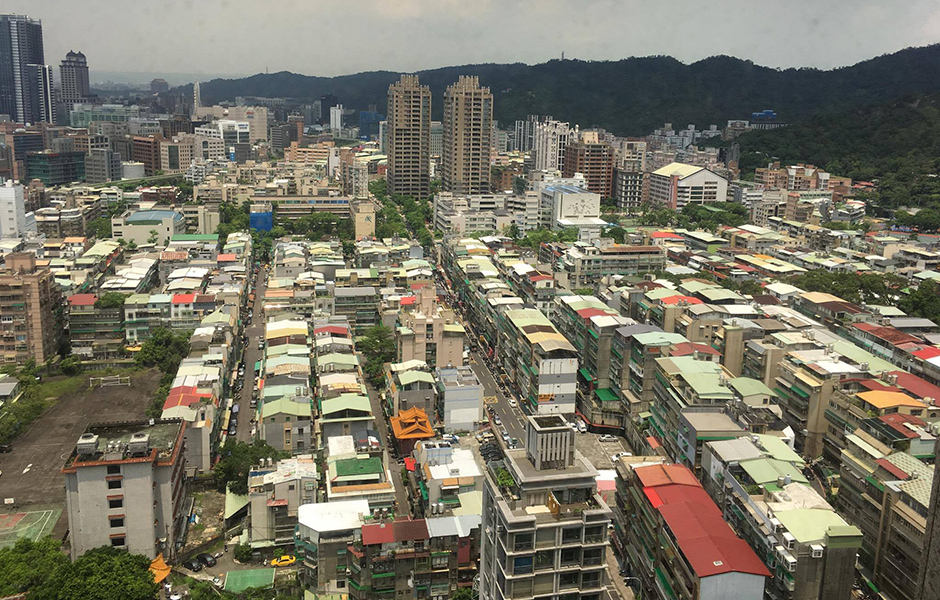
(616, 581)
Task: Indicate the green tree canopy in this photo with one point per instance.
(235, 461)
(378, 346)
(110, 300)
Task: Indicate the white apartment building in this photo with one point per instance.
(678, 184)
(489, 213)
(550, 139)
(12, 210)
(564, 206)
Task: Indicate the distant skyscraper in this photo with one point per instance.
(41, 94)
(20, 47)
(437, 138)
(549, 140)
(408, 131)
(73, 72)
(468, 119)
(197, 98)
(158, 86)
(336, 120)
(524, 134)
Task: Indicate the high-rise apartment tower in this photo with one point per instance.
(468, 119)
(408, 128)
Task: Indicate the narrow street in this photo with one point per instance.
(381, 424)
(251, 355)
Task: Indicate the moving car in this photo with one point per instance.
(206, 559)
(513, 403)
(284, 561)
(193, 565)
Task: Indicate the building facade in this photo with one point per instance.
(468, 119)
(408, 131)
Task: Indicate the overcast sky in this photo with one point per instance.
(333, 37)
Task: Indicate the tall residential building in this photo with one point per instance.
(408, 131)
(159, 86)
(549, 141)
(437, 138)
(20, 47)
(336, 119)
(594, 160)
(468, 120)
(197, 97)
(12, 210)
(524, 134)
(73, 73)
(125, 486)
(40, 89)
(545, 528)
(31, 315)
(930, 563)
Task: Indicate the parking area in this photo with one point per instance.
(30, 473)
(597, 452)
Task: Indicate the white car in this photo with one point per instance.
(619, 455)
(608, 438)
(513, 403)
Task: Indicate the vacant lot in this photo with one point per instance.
(30, 473)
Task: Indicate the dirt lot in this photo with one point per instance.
(30, 473)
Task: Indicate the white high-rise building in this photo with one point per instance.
(549, 142)
(197, 99)
(12, 210)
(336, 119)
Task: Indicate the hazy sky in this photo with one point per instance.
(332, 37)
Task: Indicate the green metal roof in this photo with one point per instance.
(346, 402)
(767, 470)
(750, 387)
(195, 237)
(606, 395)
(809, 525)
(409, 377)
(352, 467)
(286, 406)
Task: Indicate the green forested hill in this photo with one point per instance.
(896, 143)
(630, 96)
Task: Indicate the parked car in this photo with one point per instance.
(581, 426)
(6, 448)
(234, 409)
(232, 429)
(608, 438)
(206, 559)
(193, 565)
(616, 457)
(513, 403)
(497, 420)
(284, 561)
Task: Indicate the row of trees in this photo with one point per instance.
(165, 350)
(402, 216)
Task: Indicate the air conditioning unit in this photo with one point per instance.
(789, 539)
(791, 564)
(817, 551)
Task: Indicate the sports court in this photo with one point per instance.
(33, 524)
(239, 581)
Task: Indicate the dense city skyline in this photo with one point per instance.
(418, 35)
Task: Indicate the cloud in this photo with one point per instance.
(331, 37)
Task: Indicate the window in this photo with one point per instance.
(290, 487)
(117, 542)
(114, 484)
(116, 503)
(114, 469)
(117, 522)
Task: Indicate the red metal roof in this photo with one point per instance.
(82, 299)
(410, 463)
(665, 235)
(398, 531)
(888, 334)
(408, 300)
(687, 348)
(897, 420)
(892, 468)
(226, 257)
(915, 386)
(330, 329)
(540, 277)
(183, 298)
(655, 475)
(708, 543)
(587, 313)
(927, 353)
(680, 298)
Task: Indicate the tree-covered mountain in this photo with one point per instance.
(630, 96)
(895, 143)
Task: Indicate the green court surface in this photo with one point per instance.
(239, 581)
(32, 524)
